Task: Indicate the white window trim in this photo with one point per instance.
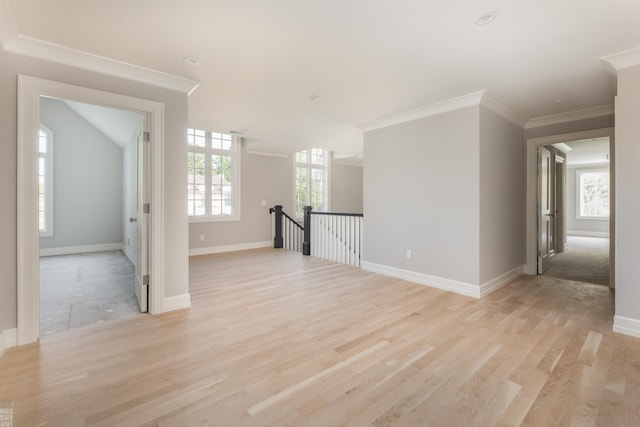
(578, 201)
(327, 180)
(48, 183)
(236, 200)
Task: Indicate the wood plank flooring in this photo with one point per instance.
(278, 339)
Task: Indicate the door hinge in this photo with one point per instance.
(145, 280)
(146, 208)
(146, 136)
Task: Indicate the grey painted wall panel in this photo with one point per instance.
(346, 188)
(421, 193)
(501, 195)
(87, 194)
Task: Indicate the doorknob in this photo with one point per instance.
(132, 219)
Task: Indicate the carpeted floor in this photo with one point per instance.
(85, 289)
(586, 260)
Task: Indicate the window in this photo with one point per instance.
(311, 180)
(593, 194)
(213, 176)
(45, 181)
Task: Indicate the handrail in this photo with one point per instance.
(335, 213)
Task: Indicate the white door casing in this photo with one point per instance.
(30, 90)
(142, 219)
(545, 210)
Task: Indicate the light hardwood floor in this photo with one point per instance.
(278, 339)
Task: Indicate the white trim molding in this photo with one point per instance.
(499, 107)
(587, 233)
(625, 59)
(570, 116)
(626, 325)
(176, 302)
(467, 289)
(68, 250)
(498, 282)
(230, 248)
(8, 339)
(265, 153)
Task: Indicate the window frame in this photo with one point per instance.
(236, 154)
(326, 167)
(48, 182)
(579, 173)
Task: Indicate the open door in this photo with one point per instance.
(545, 212)
(142, 218)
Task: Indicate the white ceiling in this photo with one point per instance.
(588, 151)
(118, 125)
(365, 59)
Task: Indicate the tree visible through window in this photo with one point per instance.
(593, 193)
(213, 171)
(311, 180)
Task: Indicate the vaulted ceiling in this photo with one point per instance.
(291, 74)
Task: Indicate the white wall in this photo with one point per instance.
(501, 196)
(175, 115)
(87, 178)
(346, 188)
(627, 177)
(421, 182)
(129, 192)
(576, 226)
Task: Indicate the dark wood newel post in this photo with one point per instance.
(306, 244)
(278, 241)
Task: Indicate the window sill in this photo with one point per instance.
(225, 218)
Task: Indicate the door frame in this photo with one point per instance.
(531, 170)
(30, 90)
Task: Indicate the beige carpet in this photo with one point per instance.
(586, 260)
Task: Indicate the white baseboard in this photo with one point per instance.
(467, 289)
(176, 303)
(229, 248)
(626, 325)
(494, 284)
(129, 254)
(588, 233)
(68, 250)
(8, 339)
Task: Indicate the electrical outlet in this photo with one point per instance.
(202, 237)
(409, 254)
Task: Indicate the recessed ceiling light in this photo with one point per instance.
(557, 100)
(191, 60)
(486, 19)
(313, 97)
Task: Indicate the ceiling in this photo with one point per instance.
(588, 151)
(261, 60)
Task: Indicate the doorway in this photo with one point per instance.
(579, 224)
(88, 171)
(30, 90)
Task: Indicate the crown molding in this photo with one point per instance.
(571, 116)
(625, 59)
(52, 52)
(481, 97)
(427, 111)
(497, 106)
(265, 153)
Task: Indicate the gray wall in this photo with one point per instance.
(129, 192)
(627, 155)
(266, 178)
(574, 225)
(568, 127)
(501, 195)
(421, 182)
(87, 178)
(346, 188)
(175, 114)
